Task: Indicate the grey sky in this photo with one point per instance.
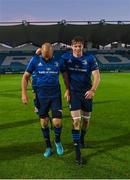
(44, 10)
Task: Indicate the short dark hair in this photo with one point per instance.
(77, 39)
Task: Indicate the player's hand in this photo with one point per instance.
(67, 95)
(25, 99)
(89, 94)
(38, 51)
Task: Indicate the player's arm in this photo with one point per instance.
(25, 79)
(96, 79)
(24, 84)
(63, 70)
(30, 81)
(66, 81)
(38, 51)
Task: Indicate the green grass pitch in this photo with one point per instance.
(108, 152)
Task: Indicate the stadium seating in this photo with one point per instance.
(16, 61)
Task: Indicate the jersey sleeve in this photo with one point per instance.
(62, 65)
(93, 63)
(31, 65)
(65, 57)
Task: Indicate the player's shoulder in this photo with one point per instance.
(90, 57)
(55, 59)
(66, 55)
(35, 58)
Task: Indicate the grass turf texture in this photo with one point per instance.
(108, 152)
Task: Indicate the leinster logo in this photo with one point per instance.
(56, 64)
(84, 62)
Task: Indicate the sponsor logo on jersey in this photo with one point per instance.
(48, 69)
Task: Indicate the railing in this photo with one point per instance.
(102, 21)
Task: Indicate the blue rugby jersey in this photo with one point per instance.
(79, 71)
(34, 81)
(47, 74)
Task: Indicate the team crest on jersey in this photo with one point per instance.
(56, 64)
(39, 64)
(84, 62)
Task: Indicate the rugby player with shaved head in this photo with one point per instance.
(47, 69)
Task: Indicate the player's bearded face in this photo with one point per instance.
(77, 48)
(47, 51)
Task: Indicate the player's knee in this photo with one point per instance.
(44, 122)
(57, 114)
(85, 121)
(86, 118)
(57, 122)
(76, 123)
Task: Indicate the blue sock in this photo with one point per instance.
(76, 136)
(76, 140)
(83, 132)
(57, 131)
(46, 135)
